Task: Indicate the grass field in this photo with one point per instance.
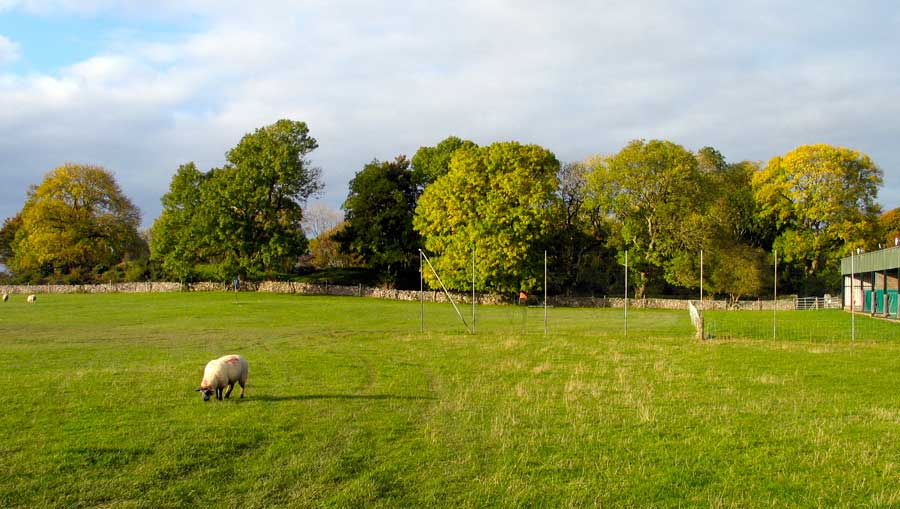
(349, 405)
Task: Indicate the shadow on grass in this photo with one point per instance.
(305, 397)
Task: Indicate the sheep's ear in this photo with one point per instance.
(198, 389)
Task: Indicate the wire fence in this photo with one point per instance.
(816, 319)
(816, 325)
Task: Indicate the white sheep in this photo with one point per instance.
(32, 298)
(5, 297)
(222, 372)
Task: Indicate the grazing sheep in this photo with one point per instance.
(5, 297)
(222, 372)
(32, 298)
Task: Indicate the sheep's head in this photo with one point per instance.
(206, 393)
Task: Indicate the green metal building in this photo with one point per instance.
(872, 281)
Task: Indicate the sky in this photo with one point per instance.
(142, 87)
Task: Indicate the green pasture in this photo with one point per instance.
(349, 405)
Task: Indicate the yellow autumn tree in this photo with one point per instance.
(76, 219)
(822, 200)
(890, 226)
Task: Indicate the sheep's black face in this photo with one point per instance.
(206, 393)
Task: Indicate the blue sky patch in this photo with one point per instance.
(50, 42)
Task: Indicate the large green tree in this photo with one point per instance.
(181, 235)
(379, 218)
(245, 217)
(823, 200)
(76, 220)
(256, 200)
(498, 200)
(655, 191)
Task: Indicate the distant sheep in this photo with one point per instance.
(5, 297)
(32, 298)
(222, 372)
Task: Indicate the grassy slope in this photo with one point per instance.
(350, 406)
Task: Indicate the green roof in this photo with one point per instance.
(884, 259)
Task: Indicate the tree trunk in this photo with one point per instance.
(640, 290)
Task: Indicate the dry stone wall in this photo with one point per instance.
(656, 303)
(102, 288)
(393, 294)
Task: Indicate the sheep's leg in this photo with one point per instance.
(242, 389)
(219, 394)
(228, 393)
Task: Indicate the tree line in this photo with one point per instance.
(499, 207)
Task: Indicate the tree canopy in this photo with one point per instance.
(325, 252)
(577, 246)
(655, 192)
(656, 200)
(379, 217)
(496, 199)
(258, 197)
(180, 234)
(76, 219)
(822, 201)
(245, 217)
(430, 163)
(8, 231)
(889, 222)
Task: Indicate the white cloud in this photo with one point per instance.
(753, 80)
(9, 50)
